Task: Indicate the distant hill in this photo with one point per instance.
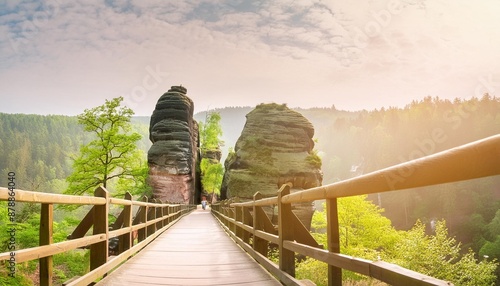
(39, 149)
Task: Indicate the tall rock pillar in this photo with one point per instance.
(275, 147)
(173, 157)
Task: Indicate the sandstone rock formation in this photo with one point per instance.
(275, 147)
(173, 156)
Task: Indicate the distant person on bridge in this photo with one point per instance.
(204, 202)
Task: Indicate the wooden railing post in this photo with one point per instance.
(142, 213)
(333, 240)
(170, 212)
(165, 214)
(151, 216)
(99, 251)
(238, 217)
(159, 214)
(247, 220)
(46, 228)
(285, 232)
(126, 239)
(259, 244)
(227, 214)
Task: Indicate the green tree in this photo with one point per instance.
(212, 170)
(362, 227)
(136, 184)
(364, 233)
(110, 154)
(211, 176)
(439, 255)
(210, 132)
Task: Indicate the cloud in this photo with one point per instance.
(304, 53)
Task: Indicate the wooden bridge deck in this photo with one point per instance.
(194, 251)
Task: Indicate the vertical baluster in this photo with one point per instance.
(259, 244)
(99, 251)
(126, 239)
(247, 220)
(238, 217)
(151, 216)
(333, 236)
(46, 228)
(165, 214)
(285, 232)
(143, 217)
(159, 214)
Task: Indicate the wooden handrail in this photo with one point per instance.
(471, 161)
(48, 198)
(156, 223)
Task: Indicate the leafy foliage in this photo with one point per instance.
(314, 159)
(66, 265)
(212, 171)
(212, 176)
(111, 154)
(210, 132)
(440, 256)
(36, 148)
(365, 233)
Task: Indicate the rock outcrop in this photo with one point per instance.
(275, 147)
(173, 156)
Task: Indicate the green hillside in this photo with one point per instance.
(39, 150)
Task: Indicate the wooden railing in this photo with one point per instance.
(250, 227)
(151, 219)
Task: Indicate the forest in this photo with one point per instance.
(41, 149)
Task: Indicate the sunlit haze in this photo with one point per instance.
(60, 57)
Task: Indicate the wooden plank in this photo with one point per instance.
(165, 214)
(126, 239)
(159, 215)
(46, 230)
(93, 275)
(261, 202)
(118, 222)
(238, 219)
(358, 265)
(270, 266)
(482, 159)
(151, 216)
(99, 251)
(48, 198)
(141, 217)
(285, 231)
(267, 236)
(52, 249)
(260, 245)
(333, 240)
(397, 275)
(83, 227)
(247, 221)
(300, 232)
(191, 252)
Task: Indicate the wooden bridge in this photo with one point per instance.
(178, 245)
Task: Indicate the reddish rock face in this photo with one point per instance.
(173, 156)
(169, 187)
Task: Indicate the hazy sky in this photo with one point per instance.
(60, 57)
